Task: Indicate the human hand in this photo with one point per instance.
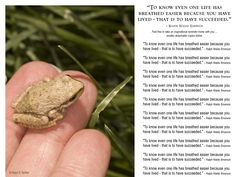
(62, 150)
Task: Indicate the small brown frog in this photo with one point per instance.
(43, 103)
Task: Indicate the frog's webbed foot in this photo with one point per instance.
(30, 121)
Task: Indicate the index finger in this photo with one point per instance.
(25, 76)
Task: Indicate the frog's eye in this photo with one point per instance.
(73, 97)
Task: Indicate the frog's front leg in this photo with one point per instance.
(30, 121)
(56, 114)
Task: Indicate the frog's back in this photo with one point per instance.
(47, 95)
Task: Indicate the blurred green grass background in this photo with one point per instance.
(101, 38)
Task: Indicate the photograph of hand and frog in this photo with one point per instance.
(69, 91)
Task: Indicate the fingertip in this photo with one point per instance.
(33, 71)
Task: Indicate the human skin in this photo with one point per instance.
(66, 149)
